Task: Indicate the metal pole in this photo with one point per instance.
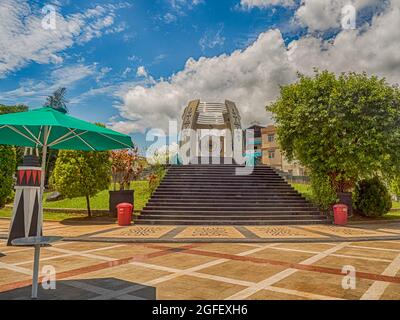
(43, 177)
(36, 261)
(35, 277)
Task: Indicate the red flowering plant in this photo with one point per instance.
(125, 167)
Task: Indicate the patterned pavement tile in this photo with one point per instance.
(278, 255)
(134, 232)
(77, 230)
(26, 255)
(223, 248)
(9, 276)
(210, 232)
(239, 270)
(390, 230)
(127, 250)
(129, 272)
(273, 295)
(306, 246)
(392, 292)
(181, 261)
(193, 288)
(391, 245)
(359, 264)
(368, 253)
(345, 231)
(282, 232)
(323, 284)
(64, 263)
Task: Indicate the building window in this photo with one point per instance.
(271, 154)
(271, 138)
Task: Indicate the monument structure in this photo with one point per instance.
(214, 124)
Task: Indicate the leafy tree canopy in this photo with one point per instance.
(12, 109)
(344, 127)
(58, 100)
(82, 173)
(8, 161)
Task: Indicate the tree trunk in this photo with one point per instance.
(88, 206)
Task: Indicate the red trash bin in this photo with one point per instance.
(340, 214)
(125, 211)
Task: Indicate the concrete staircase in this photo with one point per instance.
(215, 195)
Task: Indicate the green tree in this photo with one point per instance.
(82, 173)
(342, 127)
(395, 187)
(58, 100)
(8, 159)
(7, 170)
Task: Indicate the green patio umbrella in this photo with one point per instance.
(46, 128)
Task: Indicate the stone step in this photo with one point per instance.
(229, 188)
(213, 222)
(216, 203)
(200, 197)
(232, 217)
(253, 182)
(228, 207)
(226, 192)
(223, 212)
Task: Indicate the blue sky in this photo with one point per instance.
(111, 54)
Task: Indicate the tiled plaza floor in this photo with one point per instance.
(98, 270)
(111, 232)
(105, 261)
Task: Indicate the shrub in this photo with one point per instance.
(324, 194)
(157, 174)
(372, 198)
(7, 169)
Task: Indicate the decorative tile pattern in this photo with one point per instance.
(345, 231)
(210, 232)
(282, 232)
(146, 232)
(390, 230)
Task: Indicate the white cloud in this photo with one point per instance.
(178, 8)
(320, 15)
(23, 39)
(251, 77)
(211, 40)
(250, 4)
(36, 91)
(141, 72)
(248, 77)
(374, 48)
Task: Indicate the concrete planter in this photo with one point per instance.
(117, 197)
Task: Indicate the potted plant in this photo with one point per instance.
(125, 168)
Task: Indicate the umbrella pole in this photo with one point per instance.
(35, 277)
(36, 261)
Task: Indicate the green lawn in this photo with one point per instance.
(304, 189)
(100, 201)
(49, 216)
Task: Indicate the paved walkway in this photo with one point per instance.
(181, 234)
(105, 261)
(95, 270)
